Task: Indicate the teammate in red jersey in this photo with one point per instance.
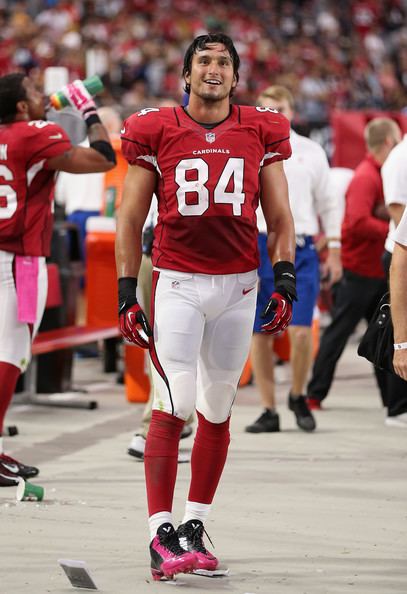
(209, 164)
(31, 151)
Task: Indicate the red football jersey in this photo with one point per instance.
(207, 183)
(26, 185)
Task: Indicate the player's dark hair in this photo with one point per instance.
(201, 43)
(11, 92)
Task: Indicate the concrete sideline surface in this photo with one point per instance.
(296, 513)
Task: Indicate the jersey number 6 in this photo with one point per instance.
(8, 197)
(232, 175)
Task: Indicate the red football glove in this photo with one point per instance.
(134, 326)
(278, 313)
(80, 98)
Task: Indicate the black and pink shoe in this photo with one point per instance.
(190, 537)
(167, 556)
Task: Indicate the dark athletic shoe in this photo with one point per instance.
(268, 422)
(8, 479)
(303, 415)
(17, 468)
(190, 537)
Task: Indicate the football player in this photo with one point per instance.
(31, 151)
(208, 163)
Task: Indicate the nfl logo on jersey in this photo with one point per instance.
(210, 137)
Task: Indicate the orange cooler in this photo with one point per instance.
(136, 377)
(101, 282)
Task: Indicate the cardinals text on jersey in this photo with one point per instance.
(208, 183)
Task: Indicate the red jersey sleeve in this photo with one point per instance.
(275, 134)
(45, 140)
(140, 136)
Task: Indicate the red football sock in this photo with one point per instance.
(161, 460)
(8, 379)
(208, 459)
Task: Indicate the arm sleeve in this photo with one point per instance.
(276, 137)
(361, 198)
(140, 139)
(327, 205)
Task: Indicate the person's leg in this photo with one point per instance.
(300, 333)
(9, 375)
(300, 357)
(395, 388)
(262, 360)
(380, 374)
(178, 325)
(137, 445)
(225, 347)
(261, 352)
(15, 349)
(261, 356)
(352, 294)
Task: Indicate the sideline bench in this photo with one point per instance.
(67, 337)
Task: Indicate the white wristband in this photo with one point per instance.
(334, 243)
(400, 346)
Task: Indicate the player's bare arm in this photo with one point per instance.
(138, 190)
(276, 209)
(100, 155)
(398, 292)
(281, 246)
(80, 159)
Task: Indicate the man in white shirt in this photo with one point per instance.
(307, 173)
(394, 175)
(398, 292)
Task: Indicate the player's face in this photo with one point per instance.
(35, 101)
(212, 77)
(281, 106)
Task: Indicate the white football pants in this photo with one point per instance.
(203, 326)
(15, 337)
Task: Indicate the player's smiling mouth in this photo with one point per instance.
(212, 81)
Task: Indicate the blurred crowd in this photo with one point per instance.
(348, 54)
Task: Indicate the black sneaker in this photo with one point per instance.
(17, 468)
(167, 555)
(7, 478)
(268, 422)
(190, 537)
(303, 415)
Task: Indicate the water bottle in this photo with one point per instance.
(93, 85)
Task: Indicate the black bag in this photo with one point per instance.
(377, 344)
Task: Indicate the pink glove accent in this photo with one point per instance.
(79, 97)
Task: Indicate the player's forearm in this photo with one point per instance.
(97, 132)
(398, 292)
(277, 214)
(281, 241)
(128, 247)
